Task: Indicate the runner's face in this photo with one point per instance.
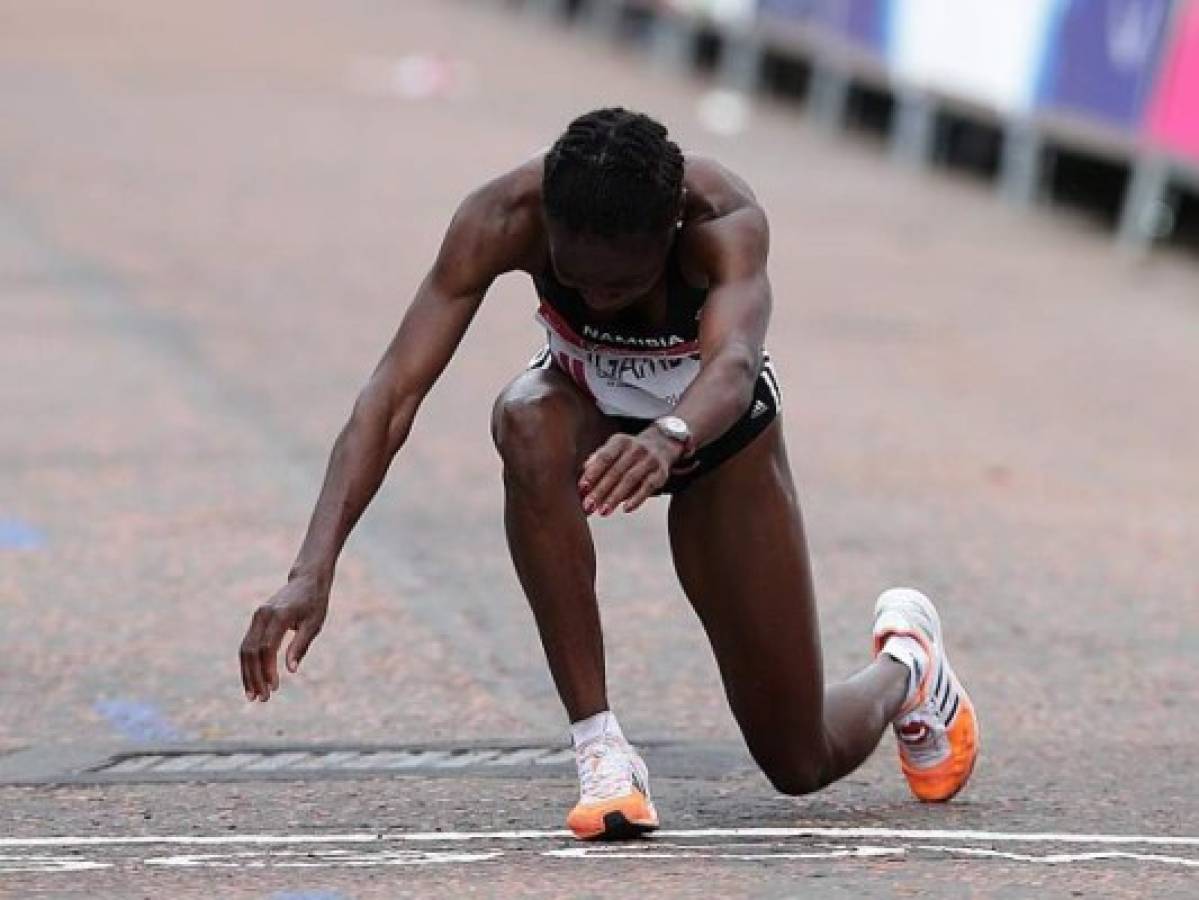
(610, 273)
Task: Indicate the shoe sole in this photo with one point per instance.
(627, 818)
(960, 787)
(618, 828)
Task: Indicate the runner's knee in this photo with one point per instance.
(796, 770)
(531, 429)
(795, 779)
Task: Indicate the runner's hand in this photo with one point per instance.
(627, 469)
(300, 606)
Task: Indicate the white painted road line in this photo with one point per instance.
(918, 834)
(646, 851)
(537, 835)
(359, 849)
(295, 859)
(702, 852)
(1057, 858)
(49, 864)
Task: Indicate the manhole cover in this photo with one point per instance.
(188, 764)
(229, 762)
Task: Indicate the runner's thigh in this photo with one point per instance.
(741, 555)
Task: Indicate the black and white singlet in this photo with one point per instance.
(630, 370)
(636, 373)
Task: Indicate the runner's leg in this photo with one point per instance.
(544, 428)
(740, 553)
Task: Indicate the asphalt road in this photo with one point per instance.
(211, 218)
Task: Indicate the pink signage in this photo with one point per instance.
(1174, 115)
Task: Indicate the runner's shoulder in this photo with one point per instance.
(714, 191)
(725, 230)
(502, 218)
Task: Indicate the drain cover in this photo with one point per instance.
(238, 762)
(192, 763)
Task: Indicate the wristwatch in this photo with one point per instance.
(677, 430)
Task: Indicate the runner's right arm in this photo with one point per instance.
(483, 241)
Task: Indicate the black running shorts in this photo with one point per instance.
(763, 409)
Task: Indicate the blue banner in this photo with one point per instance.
(1103, 56)
(861, 22)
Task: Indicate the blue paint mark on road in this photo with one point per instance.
(18, 535)
(138, 721)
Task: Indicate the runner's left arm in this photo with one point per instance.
(733, 250)
(732, 331)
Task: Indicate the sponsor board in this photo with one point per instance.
(1103, 57)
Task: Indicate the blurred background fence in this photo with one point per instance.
(1091, 104)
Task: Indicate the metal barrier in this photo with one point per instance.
(1117, 80)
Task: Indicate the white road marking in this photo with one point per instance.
(1057, 858)
(918, 834)
(220, 840)
(48, 864)
(357, 849)
(272, 858)
(913, 834)
(296, 859)
(702, 852)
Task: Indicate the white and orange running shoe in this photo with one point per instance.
(614, 802)
(937, 729)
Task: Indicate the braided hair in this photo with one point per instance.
(613, 173)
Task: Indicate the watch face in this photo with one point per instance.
(675, 427)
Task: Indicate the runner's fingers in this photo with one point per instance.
(599, 462)
(593, 471)
(268, 655)
(629, 485)
(600, 472)
(651, 483)
(601, 498)
(298, 647)
(602, 455)
(249, 656)
(245, 673)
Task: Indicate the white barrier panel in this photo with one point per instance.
(725, 12)
(986, 51)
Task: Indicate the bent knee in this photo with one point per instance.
(796, 780)
(532, 426)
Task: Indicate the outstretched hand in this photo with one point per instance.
(627, 470)
(300, 606)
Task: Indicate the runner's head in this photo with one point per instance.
(613, 191)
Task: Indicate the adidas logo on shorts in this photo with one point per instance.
(759, 408)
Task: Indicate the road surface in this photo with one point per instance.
(212, 217)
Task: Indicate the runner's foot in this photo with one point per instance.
(614, 801)
(937, 729)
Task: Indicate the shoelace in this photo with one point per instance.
(605, 768)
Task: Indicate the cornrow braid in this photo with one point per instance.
(613, 172)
